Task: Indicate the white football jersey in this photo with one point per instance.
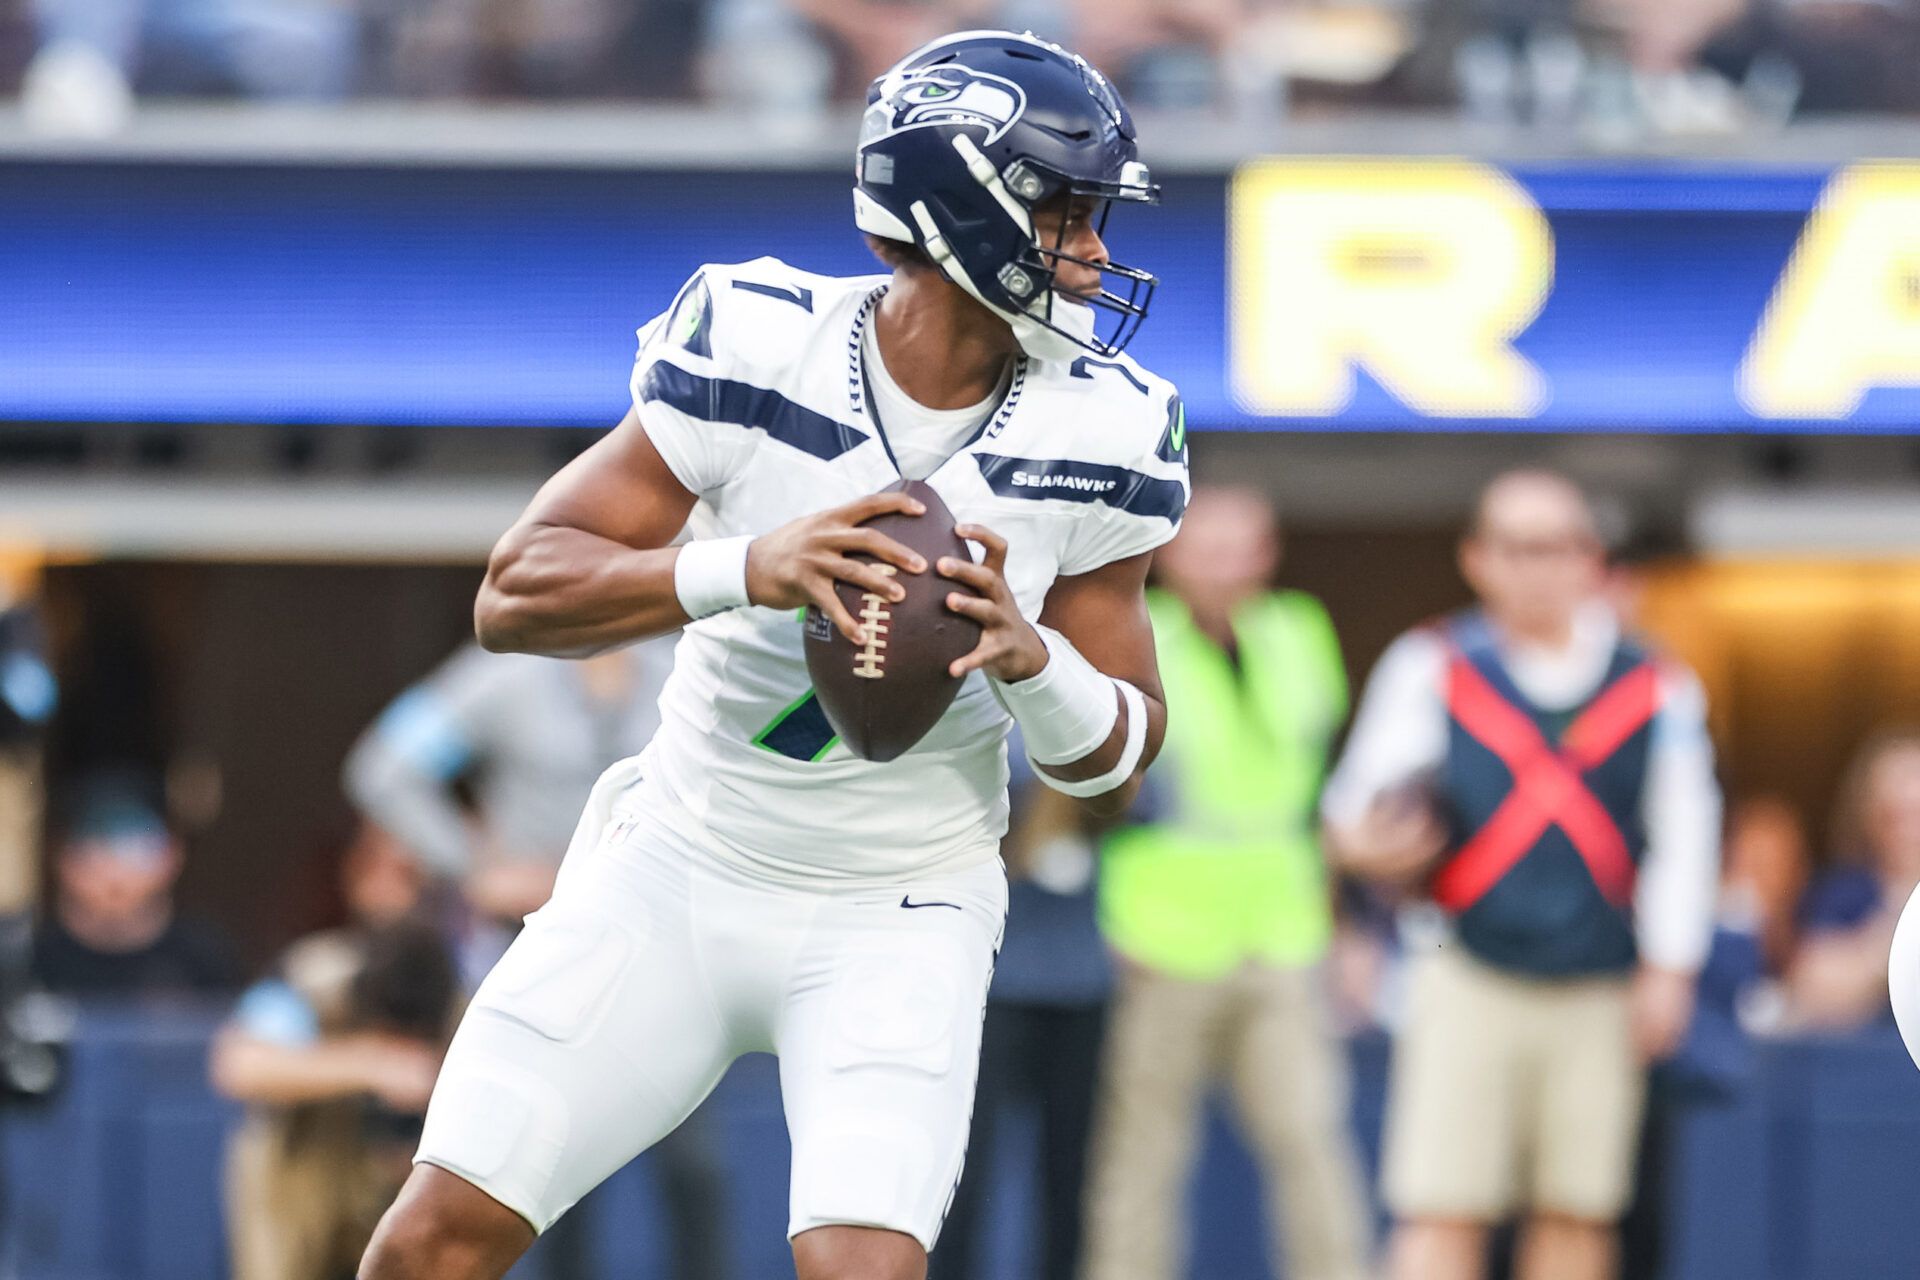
(751, 387)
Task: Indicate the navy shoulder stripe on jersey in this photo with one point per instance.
(1129, 491)
(724, 400)
(798, 295)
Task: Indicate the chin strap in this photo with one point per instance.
(1035, 338)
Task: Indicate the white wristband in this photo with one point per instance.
(1067, 710)
(710, 576)
(1136, 746)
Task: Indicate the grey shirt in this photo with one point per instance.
(526, 732)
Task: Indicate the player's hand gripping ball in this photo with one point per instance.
(882, 695)
(1903, 975)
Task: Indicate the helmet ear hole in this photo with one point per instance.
(1025, 181)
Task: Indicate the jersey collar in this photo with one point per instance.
(860, 391)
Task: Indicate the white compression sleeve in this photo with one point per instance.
(1067, 710)
(1130, 753)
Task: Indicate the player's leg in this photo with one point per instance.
(1161, 1054)
(442, 1227)
(857, 1253)
(879, 1043)
(1290, 1083)
(593, 1037)
(1593, 1090)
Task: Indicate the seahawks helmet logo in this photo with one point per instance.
(948, 94)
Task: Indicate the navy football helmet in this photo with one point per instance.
(963, 138)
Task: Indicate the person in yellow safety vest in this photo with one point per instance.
(1218, 906)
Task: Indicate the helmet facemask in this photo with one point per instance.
(1048, 324)
(1101, 323)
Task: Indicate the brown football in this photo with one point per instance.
(883, 697)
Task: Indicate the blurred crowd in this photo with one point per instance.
(1615, 69)
(1516, 864)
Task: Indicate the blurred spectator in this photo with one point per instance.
(646, 49)
(1502, 61)
(1616, 69)
(1363, 958)
(92, 55)
(1314, 52)
(788, 57)
(1846, 55)
(1163, 53)
(1767, 865)
(335, 1056)
(28, 694)
(1619, 70)
(114, 930)
(1823, 55)
(1219, 908)
(1549, 783)
(1251, 57)
(872, 35)
(1838, 977)
(764, 57)
(1040, 1047)
(1665, 36)
(482, 770)
(1720, 63)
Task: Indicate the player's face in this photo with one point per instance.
(1068, 225)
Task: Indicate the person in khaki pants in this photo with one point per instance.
(1218, 909)
(334, 1055)
(1545, 784)
(28, 697)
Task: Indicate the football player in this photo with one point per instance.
(746, 883)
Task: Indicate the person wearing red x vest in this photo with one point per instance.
(1542, 786)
